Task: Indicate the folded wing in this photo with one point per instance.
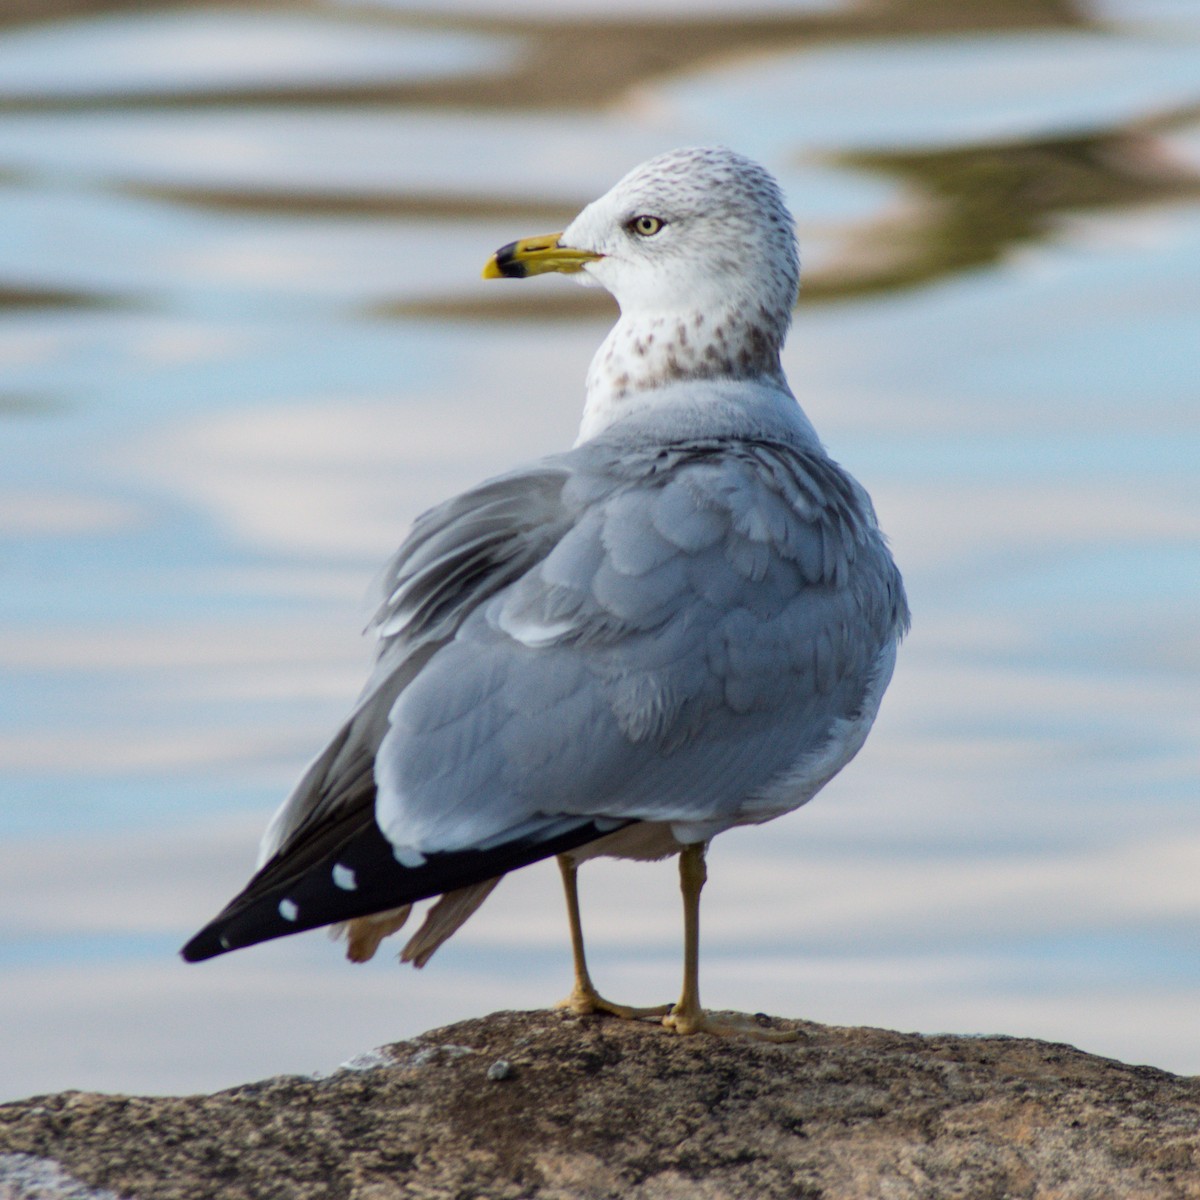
(607, 637)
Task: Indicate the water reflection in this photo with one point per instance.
(926, 93)
(243, 342)
(225, 50)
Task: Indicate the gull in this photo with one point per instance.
(683, 624)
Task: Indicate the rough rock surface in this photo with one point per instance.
(540, 1105)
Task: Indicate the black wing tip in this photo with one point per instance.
(242, 925)
(296, 904)
(208, 943)
(203, 946)
(241, 929)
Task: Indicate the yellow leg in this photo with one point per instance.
(584, 998)
(687, 1016)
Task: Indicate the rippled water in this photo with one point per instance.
(243, 341)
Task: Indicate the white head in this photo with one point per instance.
(692, 229)
(699, 250)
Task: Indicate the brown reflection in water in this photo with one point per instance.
(505, 304)
(973, 204)
(18, 296)
(16, 404)
(22, 12)
(411, 206)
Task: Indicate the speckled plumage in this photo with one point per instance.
(684, 623)
(729, 323)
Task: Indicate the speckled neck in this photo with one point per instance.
(645, 351)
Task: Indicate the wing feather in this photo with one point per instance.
(759, 626)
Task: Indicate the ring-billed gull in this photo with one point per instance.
(683, 624)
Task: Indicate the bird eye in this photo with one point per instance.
(645, 225)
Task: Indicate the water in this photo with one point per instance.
(243, 341)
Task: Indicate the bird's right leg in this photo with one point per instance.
(687, 1017)
(584, 999)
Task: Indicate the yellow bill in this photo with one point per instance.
(536, 256)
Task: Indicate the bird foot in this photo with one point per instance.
(686, 1022)
(584, 1002)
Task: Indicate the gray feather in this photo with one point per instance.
(625, 675)
(652, 635)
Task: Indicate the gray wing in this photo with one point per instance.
(699, 620)
(455, 556)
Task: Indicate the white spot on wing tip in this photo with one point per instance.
(408, 856)
(289, 910)
(344, 877)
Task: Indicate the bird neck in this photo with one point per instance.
(648, 350)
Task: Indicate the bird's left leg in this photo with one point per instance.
(584, 998)
(687, 1016)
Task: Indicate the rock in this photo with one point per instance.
(595, 1108)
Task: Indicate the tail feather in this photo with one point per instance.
(444, 920)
